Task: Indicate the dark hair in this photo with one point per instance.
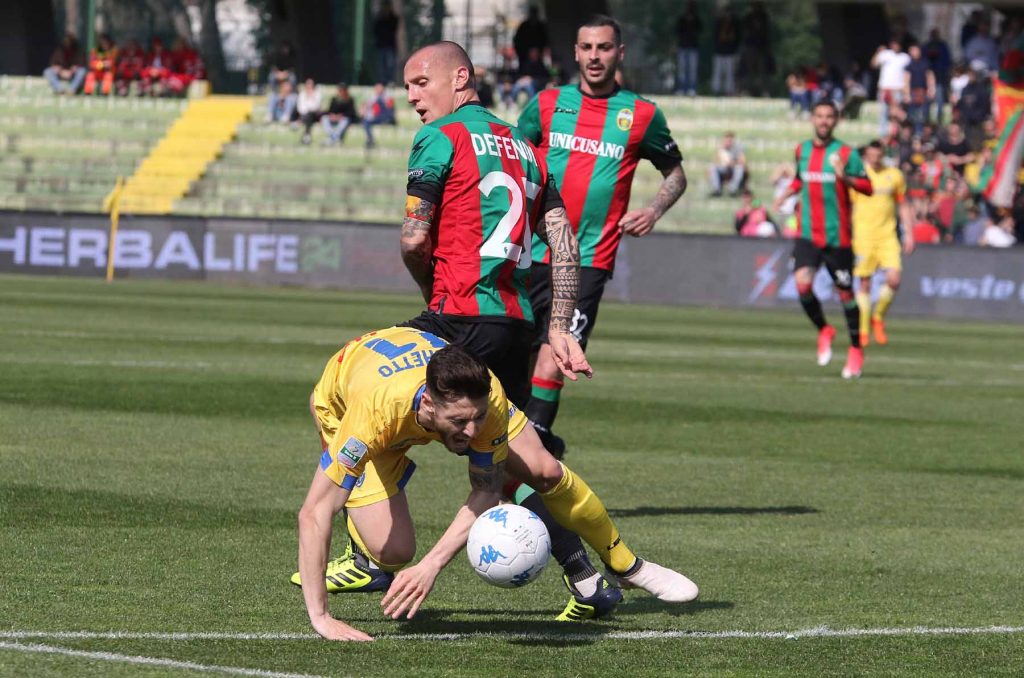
(826, 102)
(453, 373)
(599, 20)
(874, 143)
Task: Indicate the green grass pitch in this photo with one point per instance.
(155, 446)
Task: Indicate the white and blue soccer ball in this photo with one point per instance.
(508, 546)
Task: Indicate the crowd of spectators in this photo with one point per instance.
(123, 71)
(742, 57)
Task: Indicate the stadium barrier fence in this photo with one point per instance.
(676, 269)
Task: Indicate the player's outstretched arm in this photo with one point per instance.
(323, 501)
(639, 223)
(413, 584)
(556, 232)
(417, 246)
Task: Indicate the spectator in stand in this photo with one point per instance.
(948, 207)
(533, 77)
(284, 104)
(925, 231)
(973, 229)
(341, 113)
(976, 169)
(957, 82)
(936, 51)
(856, 84)
(756, 61)
(531, 34)
(970, 27)
(687, 50)
(891, 63)
(974, 106)
(727, 45)
(186, 68)
(379, 110)
(484, 88)
(308, 106)
(66, 71)
(956, 149)
(983, 47)
(799, 97)
(990, 134)
(1011, 32)
(918, 88)
(102, 60)
(934, 169)
(830, 86)
(157, 68)
(385, 31)
(282, 70)
(999, 235)
(730, 166)
(782, 179)
(130, 63)
(752, 219)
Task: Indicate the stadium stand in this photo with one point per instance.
(65, 153)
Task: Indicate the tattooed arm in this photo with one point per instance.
(556, 231)
(412, 585)
(417, 247)
(639, 222)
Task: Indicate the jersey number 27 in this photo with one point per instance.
(499, 245)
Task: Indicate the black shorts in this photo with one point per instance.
(838, 261)
(592, 282)
(502, 343)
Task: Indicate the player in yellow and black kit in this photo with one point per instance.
(876, 244)
(390, 390)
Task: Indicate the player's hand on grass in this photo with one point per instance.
(638, 223)
(568, 355)
(409, 589)
(335, 629)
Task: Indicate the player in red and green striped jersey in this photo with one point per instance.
(593, 136)
(476, 187)
(826, 171)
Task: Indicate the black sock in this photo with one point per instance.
(542, 413)
(852, 312)
(812, 307)
(566, 546)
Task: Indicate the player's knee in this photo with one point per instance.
(803, 287)
(395, 556)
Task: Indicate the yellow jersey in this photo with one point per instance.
(874, 216)
(368, 396)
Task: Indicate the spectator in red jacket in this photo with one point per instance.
(186, 68)
(157, 68)
(130, 62)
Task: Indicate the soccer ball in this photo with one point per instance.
(508, 546)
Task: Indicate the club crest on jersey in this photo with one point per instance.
(352, 452)
(624, 120)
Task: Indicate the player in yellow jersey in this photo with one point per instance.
(876, 244)
(388, 391)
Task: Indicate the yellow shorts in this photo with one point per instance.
(871, 256)
(384, 476)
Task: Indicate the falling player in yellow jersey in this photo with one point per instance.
(875, 241)
(390, 390)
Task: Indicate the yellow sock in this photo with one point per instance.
(577, 508)
(864, 304)
(354, 534)
(885, 296)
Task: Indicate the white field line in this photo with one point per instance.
(146, 661)
(815, 632)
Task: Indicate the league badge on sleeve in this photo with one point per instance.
(351, 453)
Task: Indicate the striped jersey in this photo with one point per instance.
(489, 186)
(825, 214)
(592, 146)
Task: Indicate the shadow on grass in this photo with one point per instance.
(648, 605)
(32, 505)
(711, 511)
